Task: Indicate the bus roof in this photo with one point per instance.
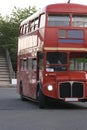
(67, 8)
(33, 16)
(61, 8)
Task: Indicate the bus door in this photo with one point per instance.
(32, 77)
(40, 60)
(24, 75)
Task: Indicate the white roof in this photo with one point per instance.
(35, 15)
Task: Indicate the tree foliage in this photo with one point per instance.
(9, 27)
(19, 14)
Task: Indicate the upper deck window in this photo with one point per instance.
(79, 20)
(71, 36)
(58, 20)
(42, 20)
(34, 24)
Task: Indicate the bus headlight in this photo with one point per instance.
(50, 88)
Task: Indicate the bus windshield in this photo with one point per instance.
(78, 61)
(56, 61)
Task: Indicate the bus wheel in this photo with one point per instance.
(21, 93)
(41, 99)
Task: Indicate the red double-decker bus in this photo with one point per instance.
(52, 54)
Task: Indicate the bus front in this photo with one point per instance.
(65, 53)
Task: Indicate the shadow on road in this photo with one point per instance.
(10, 100)
(58, 105)
(66, 105)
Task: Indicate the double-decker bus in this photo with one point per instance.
(52, 54)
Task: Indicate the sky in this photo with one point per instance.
(6, 6)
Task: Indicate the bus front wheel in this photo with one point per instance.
(41, 99)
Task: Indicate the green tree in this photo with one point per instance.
(19, 14)
(8, 39)
(9, 28)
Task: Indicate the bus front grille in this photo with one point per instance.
(71, 89)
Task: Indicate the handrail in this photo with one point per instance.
(11, 71)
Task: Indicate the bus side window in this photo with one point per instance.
(36, 24)
(30, 64)
(32, 26)
(42, 20)
(23, 64)
(21, 31)
(34, 64)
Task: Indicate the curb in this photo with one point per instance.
(7, 86)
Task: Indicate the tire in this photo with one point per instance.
(41, 99)
(21, 92)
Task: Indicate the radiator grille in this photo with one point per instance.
(71, 89)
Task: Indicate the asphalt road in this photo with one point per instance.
(19, 115)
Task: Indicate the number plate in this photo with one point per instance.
(71, 99)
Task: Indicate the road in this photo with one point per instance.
(25, 115)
